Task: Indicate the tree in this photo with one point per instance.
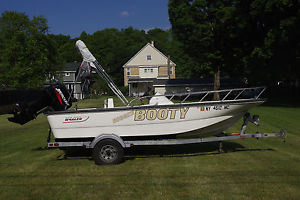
(113, 48)
(256, 39)
(27, 55)
(275, 54)
(205, 29)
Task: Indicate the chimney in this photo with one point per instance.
(169, 67)
(152, 43)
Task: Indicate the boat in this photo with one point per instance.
(165, 116)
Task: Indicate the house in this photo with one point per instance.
(146, 66)
(68, 77)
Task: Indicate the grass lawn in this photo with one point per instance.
(250, 169)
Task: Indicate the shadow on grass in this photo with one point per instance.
(75, 152)
(40, 148)
(283, 102)
(72, 152)
(186, 150)
(189, 150)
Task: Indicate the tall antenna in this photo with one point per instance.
(89, 58)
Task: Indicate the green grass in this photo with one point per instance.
(250, 169)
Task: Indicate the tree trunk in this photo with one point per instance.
(217, 84)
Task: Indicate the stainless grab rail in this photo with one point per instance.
(259, 91)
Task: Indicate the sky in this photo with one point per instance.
(71, 17)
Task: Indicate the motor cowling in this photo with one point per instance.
(60, 97)
(26, 105)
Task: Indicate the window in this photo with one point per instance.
(67, 74)
(128, 71)
(134, 85)
(171, 70)
(148, 57)
(148, 70)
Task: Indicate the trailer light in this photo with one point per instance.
(51, 144)
(56, 144)
(265, 135)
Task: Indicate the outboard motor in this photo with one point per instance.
(60, 97)
(26, 105)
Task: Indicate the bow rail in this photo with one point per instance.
(235, 94)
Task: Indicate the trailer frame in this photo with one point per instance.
(128, 143)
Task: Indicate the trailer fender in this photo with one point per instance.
(107, 136)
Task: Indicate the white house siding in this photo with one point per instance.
(160, 90)
(68, 77)
(157, 58)
(148, 63)
(148, 72)
(169, 90)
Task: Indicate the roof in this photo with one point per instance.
(196, 82)
(140, 59)
(71, 66)
(182, 82)
(141, 80)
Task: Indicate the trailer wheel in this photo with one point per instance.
(108, 152)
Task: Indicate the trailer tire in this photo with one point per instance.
(108, 152)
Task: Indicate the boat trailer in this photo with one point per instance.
(109, 148)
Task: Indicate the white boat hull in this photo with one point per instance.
(184, 120)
